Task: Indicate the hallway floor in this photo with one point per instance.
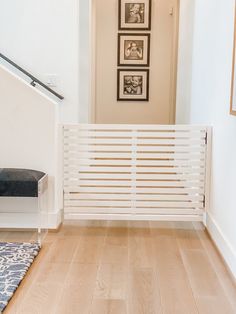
(129, 267)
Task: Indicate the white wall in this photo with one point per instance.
(84, 60)
(42, 36)
(29, 139)
(210, 104)
(185, 59)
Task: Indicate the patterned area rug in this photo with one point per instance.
(15, 260)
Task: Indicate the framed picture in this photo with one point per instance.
(134, 14)
(133, 49)
(233, 83)
(132, 85)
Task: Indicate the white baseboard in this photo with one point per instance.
(29, 220)
(55, 219)
(222, 243)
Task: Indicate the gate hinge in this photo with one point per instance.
(204, 201)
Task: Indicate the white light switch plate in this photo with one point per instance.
(51, 80)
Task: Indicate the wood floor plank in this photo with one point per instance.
(71, 229)
(161, 224)
(139, 224)
(112, 281)
(203, 279)
(75, 299)
(143, 292)
(89, 249)
(3, 236)
(19, 236)
(81, 275)
(78, 289)
(109, 307)
(112, 254)
(175, 290)
(41, 299)
(219, 266)
(141, 251)
(63, 250)
(126, 268)
(205, 274)
(214, 305)
(205, 284)
(115, 249)
(118, 224)
(188, 239)
(94, 231)
(117, 236)
(52, 273)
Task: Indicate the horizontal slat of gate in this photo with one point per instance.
(122, 176)
(150, 190)
(78, 183)
(118, 203)
(135, 127)
(144, 211)
(144, 141)
(127, 155)
(151, 162)
(138, 197)
(134, 169)
(158, 161)
(139, 149)
(140, 134)
(92, 169)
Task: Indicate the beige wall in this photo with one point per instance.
(160, 107)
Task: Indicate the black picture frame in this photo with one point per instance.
(133, 85)
(141, 21)
(139, 54)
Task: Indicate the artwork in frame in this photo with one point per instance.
(132, 85)
(233, 84)
(135, 14)
(133, 49)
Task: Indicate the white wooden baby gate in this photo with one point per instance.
(135, 172)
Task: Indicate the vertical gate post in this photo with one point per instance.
(134, 171)
(208, 174)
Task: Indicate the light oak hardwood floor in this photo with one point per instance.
(126, 268)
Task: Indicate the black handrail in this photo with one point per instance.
(34, 79)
